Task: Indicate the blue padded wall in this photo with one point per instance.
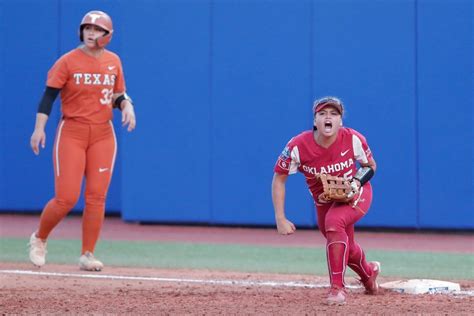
(220, 86)
(166, 161)
(260, 98)
(51, 31)
(445, 117)
(367, 59)
(3, 131)
(27, 180)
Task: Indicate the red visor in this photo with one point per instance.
(328, 101)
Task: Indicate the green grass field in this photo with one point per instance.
(244, 258)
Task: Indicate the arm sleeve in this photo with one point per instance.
(46, 104)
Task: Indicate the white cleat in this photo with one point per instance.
(336, 296)
(89, 263)
(371, 285)
(37, 250)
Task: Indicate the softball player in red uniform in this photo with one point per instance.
(332, 149)
(91, 82)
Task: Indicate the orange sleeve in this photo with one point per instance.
(58, 74)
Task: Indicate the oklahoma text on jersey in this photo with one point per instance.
(303, 154)
(329, 168)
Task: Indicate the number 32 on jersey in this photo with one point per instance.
(107, 96)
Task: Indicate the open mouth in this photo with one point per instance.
(327, 126)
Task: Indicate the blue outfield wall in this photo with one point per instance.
(445, 118)
(220, 86)
(27, 181)
(3, 182)
(368, 59)
(31, 49)
(166, 168)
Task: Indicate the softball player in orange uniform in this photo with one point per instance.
(91, 82)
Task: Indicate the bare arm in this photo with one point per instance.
(39, 136)
(371, 163)
(284, 226)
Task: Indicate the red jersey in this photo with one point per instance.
(303, 154)
(87, 84)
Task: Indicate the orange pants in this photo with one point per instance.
(81, 149)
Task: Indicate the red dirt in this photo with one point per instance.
(29, 294)
(40, 294)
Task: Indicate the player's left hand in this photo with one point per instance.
(128, 116)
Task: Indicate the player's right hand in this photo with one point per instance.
(285, 227)
(38, 138)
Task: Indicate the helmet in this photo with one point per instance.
(100, 19)
(323, 102)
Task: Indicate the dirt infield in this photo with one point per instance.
(64, 290)
(184, 292)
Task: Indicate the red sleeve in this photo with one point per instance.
(365, 152)
(58, 74)
(288, 161)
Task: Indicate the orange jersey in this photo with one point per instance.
(87, 84)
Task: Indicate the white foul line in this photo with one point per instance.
(175, 280)
(196, 281)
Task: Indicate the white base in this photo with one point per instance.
(421, 286)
